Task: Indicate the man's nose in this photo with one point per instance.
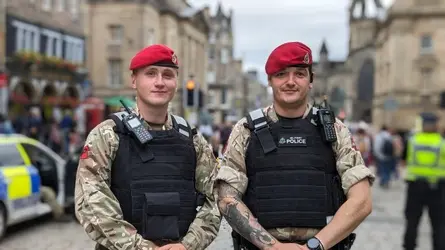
(158, 82)
(291, 78)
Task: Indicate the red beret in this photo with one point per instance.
(157, 54)
(288, 54)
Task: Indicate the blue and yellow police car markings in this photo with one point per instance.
(22, 185)
(18, 180)
(3, 188)
(35, 179)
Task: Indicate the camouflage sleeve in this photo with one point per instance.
(97, 208)
(350, 164)
(232, 166)
(205, 227)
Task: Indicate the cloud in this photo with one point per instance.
(261, 25)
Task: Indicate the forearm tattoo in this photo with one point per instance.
(240, 218)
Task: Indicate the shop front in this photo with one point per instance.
(54, 92)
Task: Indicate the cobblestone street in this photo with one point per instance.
(382, 230)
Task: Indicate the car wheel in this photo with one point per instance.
(2, 221)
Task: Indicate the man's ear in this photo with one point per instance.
(133, 80)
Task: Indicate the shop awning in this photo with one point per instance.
(115, 101)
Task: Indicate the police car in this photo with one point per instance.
(26, 165)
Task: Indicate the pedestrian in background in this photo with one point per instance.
(425, 166)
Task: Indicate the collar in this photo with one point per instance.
(167, 125)
(272, 114)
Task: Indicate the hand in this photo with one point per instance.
(289, 246)
(177, 246)
(303, 247)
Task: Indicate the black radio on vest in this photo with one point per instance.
(326, 119)
(135, 126)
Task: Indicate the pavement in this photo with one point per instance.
(382, 230)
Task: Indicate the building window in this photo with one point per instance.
(61, 6)
(114, 72)
(224, 56)
(150, 37)
(46, 5)
(426, 77)
(75, 8)
(27, 36)
(426, 44)
(212, 97)
(117, 33)
(211, 52)
(212, 38)
(211, 77)
(224, 96)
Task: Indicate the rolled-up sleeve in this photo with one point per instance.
(232, 165)
(350, 164)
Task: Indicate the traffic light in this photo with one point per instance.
(190, 93)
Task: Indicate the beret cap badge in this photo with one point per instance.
(306, 58)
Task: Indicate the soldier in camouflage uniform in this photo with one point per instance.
(273, 192)
(154, 206)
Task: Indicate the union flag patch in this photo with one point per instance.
(85, 153)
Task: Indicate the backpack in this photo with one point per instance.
(388, 148)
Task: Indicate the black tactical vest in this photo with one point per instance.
(155, 183)
(290, 170)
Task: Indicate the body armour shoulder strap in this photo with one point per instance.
(179, 124)
(182, 126)
(258, 123)
(117, 118)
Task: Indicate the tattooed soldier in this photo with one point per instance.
(280, 183)
(136, 195)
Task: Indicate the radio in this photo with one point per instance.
(327, 121)
(134, 124)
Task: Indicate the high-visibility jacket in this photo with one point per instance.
(426, 157)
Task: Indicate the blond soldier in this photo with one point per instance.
(280, 183)
(136, 194)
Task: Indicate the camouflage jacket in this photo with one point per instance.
(350, 166)
(98, 209)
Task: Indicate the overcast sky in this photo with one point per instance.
(261, 25)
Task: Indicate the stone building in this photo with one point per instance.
(224, 72)
(410, 67)
(390, 56)
(349, 84)
(44, 54)
(117, 30)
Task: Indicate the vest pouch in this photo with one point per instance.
(161, 216)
